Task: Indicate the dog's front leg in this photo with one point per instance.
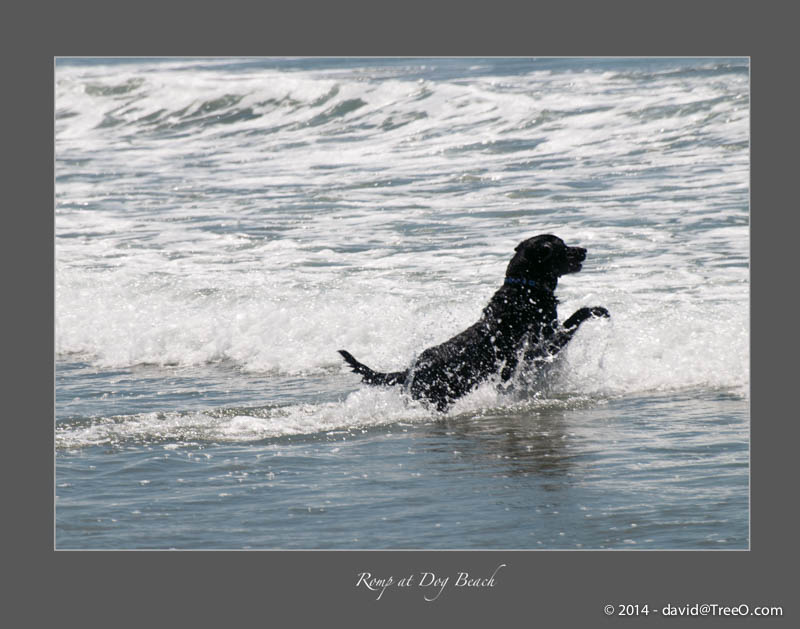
(508, 368)
(581, 314)
(571, 325)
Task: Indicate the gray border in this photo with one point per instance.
(210, 589)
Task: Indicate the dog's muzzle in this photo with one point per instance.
(575, 255)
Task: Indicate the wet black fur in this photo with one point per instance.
(521, 315)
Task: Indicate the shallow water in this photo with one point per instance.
(224, 226)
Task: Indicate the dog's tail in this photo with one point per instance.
(373, 377)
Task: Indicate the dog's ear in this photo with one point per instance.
(539, 253)
(545, 251)
(535, 252)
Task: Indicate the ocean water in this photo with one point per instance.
(223, 226)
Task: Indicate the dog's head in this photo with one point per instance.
(545, 257)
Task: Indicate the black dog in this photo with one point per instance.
(520, 319)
